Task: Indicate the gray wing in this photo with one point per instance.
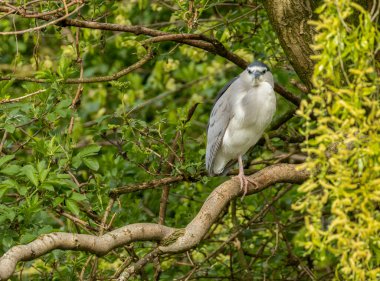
(218, 123)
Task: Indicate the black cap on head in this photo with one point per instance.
(258, 63)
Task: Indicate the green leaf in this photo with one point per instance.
(22, 190)
(90, 150)
(6, 159)
(64, 103)
(42, 170)
(47, 186)
(92, 163)
(11, 170)
(2, 191)
(4, 88)
(31, 173)
(9, 128)
(72, 206)
(78, 197)
(61, 183)
(57, 201)
(27, 237)
(46, 229)
(76, 162)
(6, 185)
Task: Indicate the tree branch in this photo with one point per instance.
(98, 79)
(42, 26)
(23, 97)
(196, 40)
(172, 240)
(145, 185)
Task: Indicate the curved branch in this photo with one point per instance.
(223, 194)
(172, 240)
(99, 245)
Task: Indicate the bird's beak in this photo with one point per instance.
(256, 74)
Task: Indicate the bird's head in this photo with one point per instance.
(258, 72)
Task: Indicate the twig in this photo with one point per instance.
(145, 185)
(97, 79)
(78, 221)
(24, 14)
(41, 26)
(80, 87)
(105, 216)
(3, 141)
(81, 276)
(23, 97)
(136, 267)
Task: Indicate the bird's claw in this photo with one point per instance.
(244, 181)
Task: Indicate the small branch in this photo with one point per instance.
(79, 92)
(24, 14)
(135, 268)
(287, 95)
(23, 97)
(145, 185)
(5, 135)
(78, 221)
(172, 37)
(97, 79)
(105, 216)
(41, 26)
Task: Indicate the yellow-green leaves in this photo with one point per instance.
(341, 205)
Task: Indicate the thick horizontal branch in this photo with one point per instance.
(99, 245)
(172, 240)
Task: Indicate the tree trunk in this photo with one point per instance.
(289, 19)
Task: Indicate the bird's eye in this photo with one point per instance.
(249, 71)
(264, 71)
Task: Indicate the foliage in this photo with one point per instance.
(65, 147)
(341, 199)
(57, 177)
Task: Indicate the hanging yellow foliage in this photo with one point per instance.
(342, 197)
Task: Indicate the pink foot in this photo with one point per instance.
(244, 182)
(243, 179)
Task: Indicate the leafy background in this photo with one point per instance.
(58, 177)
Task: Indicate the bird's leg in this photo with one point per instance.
(243, 179)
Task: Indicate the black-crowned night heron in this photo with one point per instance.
(242, 111)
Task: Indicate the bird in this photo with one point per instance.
(243, 109)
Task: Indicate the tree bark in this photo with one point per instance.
(289, 19)
(172, 240)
